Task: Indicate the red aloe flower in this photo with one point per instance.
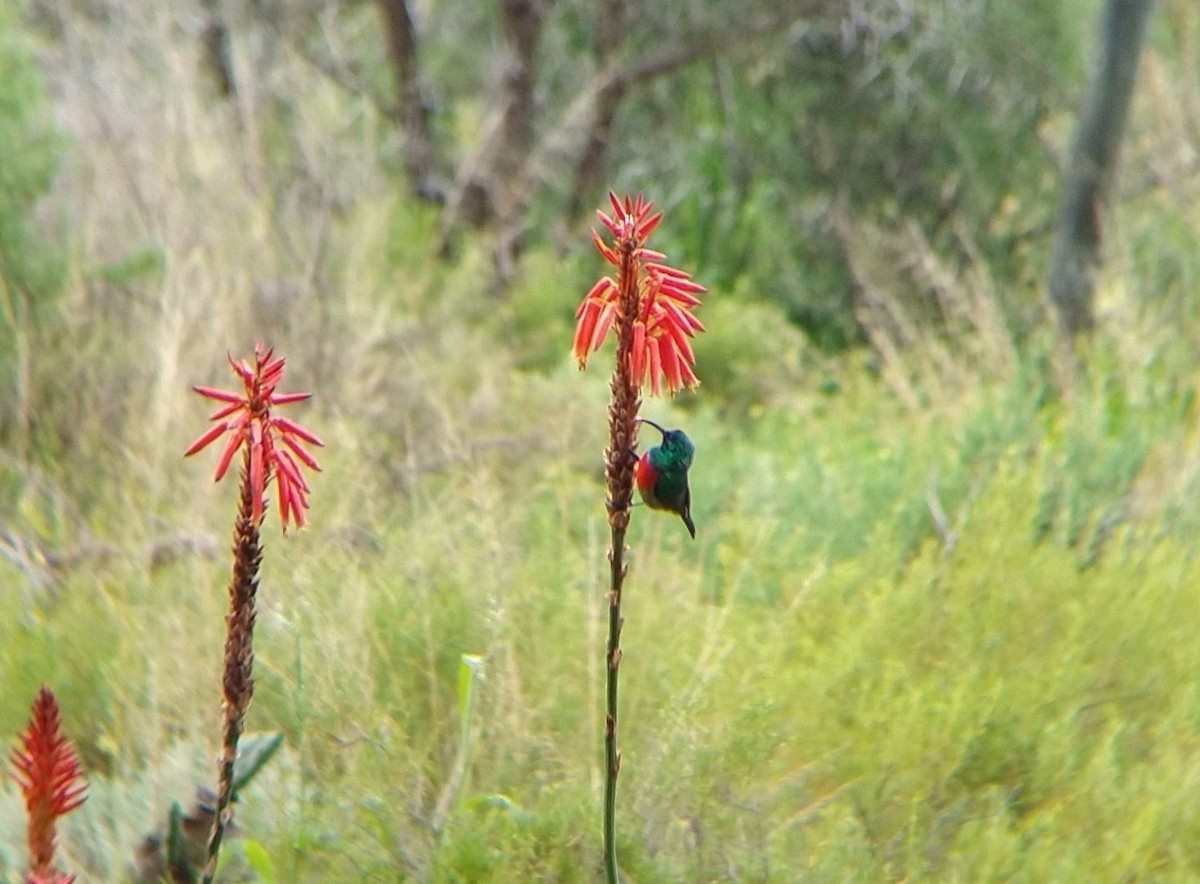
(274, 443)
(50, 776)
(664, 323)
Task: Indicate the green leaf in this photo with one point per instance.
(254, 751)
(259, 861)
(469, 669)
(177, 863)
(496, 801)
(139, 264)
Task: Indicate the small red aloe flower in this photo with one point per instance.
(50, 776)
(274, 442)
(663, 322)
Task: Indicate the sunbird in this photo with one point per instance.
(662, 475)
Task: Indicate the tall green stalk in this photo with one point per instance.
(620, 460)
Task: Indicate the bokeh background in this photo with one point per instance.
(939, 618)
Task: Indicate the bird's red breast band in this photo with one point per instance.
(646, 474)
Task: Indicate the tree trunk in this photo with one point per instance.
(217, 50)
(492, 187)
(412, 114)
(1093, 161)
(610, 18)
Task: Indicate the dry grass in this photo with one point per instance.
(833, 680)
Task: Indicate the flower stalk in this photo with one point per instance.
(50, 776)
(620, 460)
(272, 450)
(238, 680)
(650, 306)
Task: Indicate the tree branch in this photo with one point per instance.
(412, 109)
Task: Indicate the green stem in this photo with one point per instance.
(612, 757)
(622, 418)
(223, 814)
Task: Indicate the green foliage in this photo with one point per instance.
(254, 751)
(742, 376)
(257, 859)
(31, 268)
(30, 148)
(930, 116)
(134, 267)
(818, 687)
(945, 642)
(186, 852)
(177, 862)
(541, 318)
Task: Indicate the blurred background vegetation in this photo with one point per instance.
(937, 621)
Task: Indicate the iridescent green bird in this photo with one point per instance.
(662, 474)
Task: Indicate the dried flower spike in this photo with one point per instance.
(275, 443)
(664, 323)
(50, 776)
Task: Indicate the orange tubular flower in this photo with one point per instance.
(274, 443)
(664, 324)
(50, 776)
